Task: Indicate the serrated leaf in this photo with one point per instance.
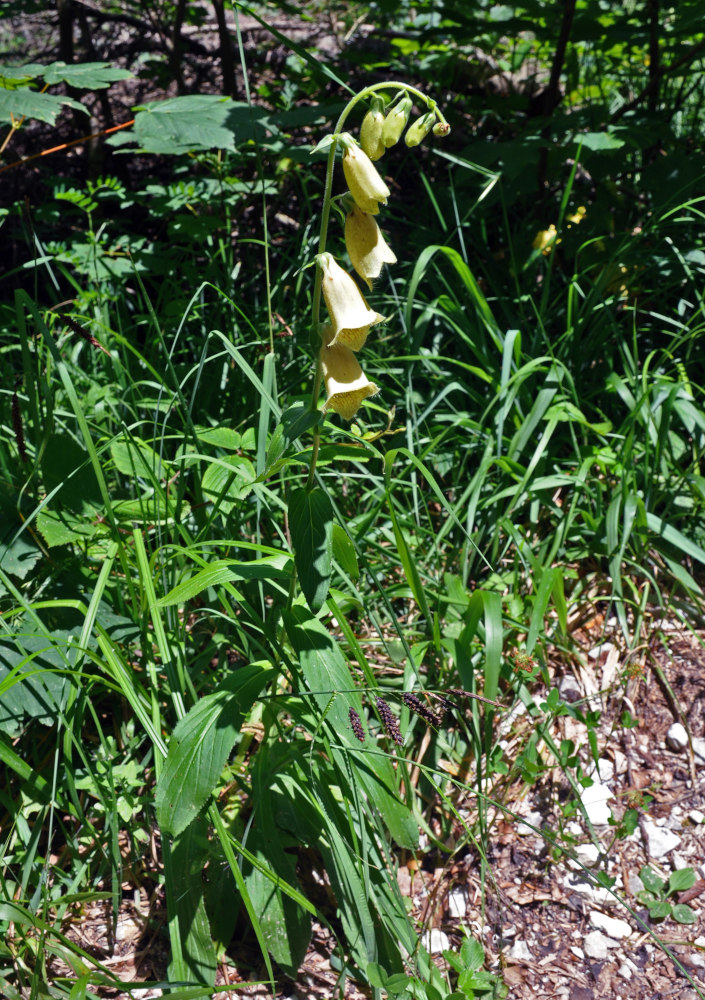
(200, 745)
(228, 480)
(198, 122)
(472, 954)
(87, 76)
(15, 74)
(31, 104)
(311, 526)
(134, 457)
(63, 527)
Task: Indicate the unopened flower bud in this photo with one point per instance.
(395, 122)
(441, 129)
(371, 129)
(346, 383)
(367, 248)
(417, 132)
(350, 315)
(366, 185)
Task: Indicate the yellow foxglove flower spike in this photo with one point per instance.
(366, 185)
(367, 248)
(371, 129)
(351, 317)
(346, 383)
(395, 122)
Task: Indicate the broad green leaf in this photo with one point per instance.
(31, 104)
(189, 124)
(66, 466)
(227, 480)
(60, 527)
(200, 744)
(16, 74)
(344, 552)
(599, 141)
(311, 526)
(683, 878)
(184, 862)
(134, 457)
(651, 881)
(89, 76)
(684, 914)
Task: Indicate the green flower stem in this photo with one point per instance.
(325, 219)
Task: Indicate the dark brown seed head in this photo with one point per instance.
(414, 703)
(389, 721)
(356, 725)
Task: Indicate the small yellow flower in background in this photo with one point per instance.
(545, 240)
(417, 132)
(395, 122)
(346, 383)
(366, 185)
(350, 315)
(578, 215)
(371, 129)
(367, 248)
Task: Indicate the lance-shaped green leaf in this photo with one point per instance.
(200, 745)
(311, 526)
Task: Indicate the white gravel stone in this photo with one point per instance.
(595, 800)
(587, 854)
(436, 941)
(612, 926)
(676, 737)
(695, 816)
(624, 971)
(699, 750)
(457, 903)
(578, 952)
(524, 829)
(660, 841)
(520, 951)
(678, 861)
(597, 945)
(575, 882)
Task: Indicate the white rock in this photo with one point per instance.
(595, 800)
(612, 926)
(678, 862)
(699, 750)
(578, 952)
(624, 971)
(597, 651)
(597, 945)
(435, 941)
(604, 769)
(677, 737)
(695, 816)
(587, 854)
(457, 903)
(524, 828)
(575, 882)
(660, 841)
(520, 950)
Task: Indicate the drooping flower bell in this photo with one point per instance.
(395, 122)
(346, 383)
(366, 186)
(417, 132)
(351, 317)
(367, 248)
(371, 129)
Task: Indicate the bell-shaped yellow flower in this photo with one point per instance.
(346, 383)
(367, 248)
(366, 185)
(417, 132)
(351, 317)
